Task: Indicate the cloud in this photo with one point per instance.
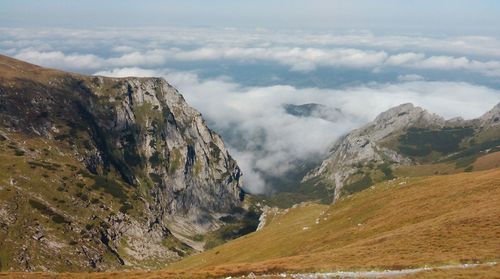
(128, 72)
(299, 59)
(299, 51)
(404, 58)
(153, 57)
(75, 61)
(123, 49)
(138, 38)
(410, 77)
(58, 59)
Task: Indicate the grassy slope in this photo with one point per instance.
(422, 221)
(44, 188)
(441, 219)
(435, 151)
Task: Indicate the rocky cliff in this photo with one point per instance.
(100, 172)
(403, 135)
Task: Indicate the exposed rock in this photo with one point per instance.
(377, 143)
(492, 117)
(362, 145)
(316, 111)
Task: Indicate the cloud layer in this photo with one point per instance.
(297, 59)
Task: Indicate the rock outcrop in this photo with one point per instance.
(491, 118)
(378, 146)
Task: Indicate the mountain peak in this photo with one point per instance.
(492, 117)
(398, 111)
(399, 118)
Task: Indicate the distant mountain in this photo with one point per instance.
(98, 173)
(314, 110)
(407, 141)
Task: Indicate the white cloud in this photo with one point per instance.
(300, 51)
(404, 58)
(148, 58)
(484, 46)
(58, 59)
(128, 72)
(299, 59)
(123, 49)
(75, 61)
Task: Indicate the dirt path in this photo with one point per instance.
(367, 274)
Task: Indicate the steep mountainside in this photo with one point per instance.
(406, 136)
(98, 172)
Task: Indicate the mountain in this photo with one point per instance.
(406, 141)
(315, 110)
(98, 173)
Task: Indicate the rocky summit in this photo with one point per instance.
(99, 173)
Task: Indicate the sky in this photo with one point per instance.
(437, 16)
(240, 63)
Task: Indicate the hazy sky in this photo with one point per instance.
(447, 16)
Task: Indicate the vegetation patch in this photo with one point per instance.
(109, 185)
(125, 208)
(387, 170)
(235, 227)
(421, 142)
(359, 185)
(174, 160)
(214, 151)
(465, 161)
(45, 210)
(156, 159)
(45, 165)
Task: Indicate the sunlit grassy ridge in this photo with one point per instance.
(401, 223)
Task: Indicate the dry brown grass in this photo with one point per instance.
(488, 161)
(428, 221)
(481, 272)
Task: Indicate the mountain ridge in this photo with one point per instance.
(378, 146)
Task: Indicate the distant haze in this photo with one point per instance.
(436, 16)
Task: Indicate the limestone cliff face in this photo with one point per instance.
(491, 118)
(165, 146)
(124, 166)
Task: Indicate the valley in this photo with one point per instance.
(400, 224)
